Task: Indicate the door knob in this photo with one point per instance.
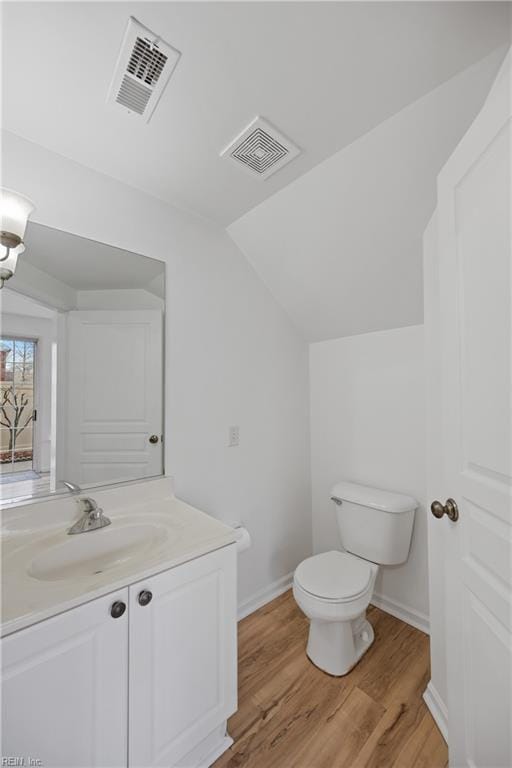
(449, 509)
(145, 597)
(117, 609)
(153, 439)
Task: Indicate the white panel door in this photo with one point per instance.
(114, 396)
(65, 688)
(475, 280)
(183, 658)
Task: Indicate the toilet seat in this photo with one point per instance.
(334, 576)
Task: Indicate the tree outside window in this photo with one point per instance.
(16, 399)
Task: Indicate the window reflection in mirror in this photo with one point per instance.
(81, 366)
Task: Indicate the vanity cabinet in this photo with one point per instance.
(101, 686)
(65, 688)
(182, 658)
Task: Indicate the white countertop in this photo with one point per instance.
(182, 533)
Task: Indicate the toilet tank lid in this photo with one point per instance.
(386, 501)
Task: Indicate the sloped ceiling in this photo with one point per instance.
(376, 94)
(63, 256)
(324, 73)
(341, 247)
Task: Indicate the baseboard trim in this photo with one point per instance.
(264, 596)
(224, 745)
(267, 594)
(204, 754)
(400, 611)
(437, 709)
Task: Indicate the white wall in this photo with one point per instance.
(233, 357)
(124, 298)
(368, 425)
(42, 287)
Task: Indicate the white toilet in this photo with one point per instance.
(334, 589)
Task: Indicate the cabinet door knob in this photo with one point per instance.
(449, 509)
(145, 597)
(153, 439)
(117, 609)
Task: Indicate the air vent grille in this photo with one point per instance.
(146, 62)
(143, 69)
(133, 95)
(261, 149)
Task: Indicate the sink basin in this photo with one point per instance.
(91, 553)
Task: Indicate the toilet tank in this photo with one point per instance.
(374, 524)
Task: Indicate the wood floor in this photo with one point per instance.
(292, 715)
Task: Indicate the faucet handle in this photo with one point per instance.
(86, 504)
(91, 517)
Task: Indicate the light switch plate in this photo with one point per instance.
(234, 437)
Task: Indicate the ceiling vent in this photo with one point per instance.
(261, 149)
(143, 69)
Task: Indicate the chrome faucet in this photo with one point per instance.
(92, 516)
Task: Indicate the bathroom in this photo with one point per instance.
(242, 329)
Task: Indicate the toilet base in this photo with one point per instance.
(336, 646)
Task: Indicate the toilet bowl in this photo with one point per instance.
(333, 589)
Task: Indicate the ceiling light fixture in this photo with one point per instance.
(15, 210)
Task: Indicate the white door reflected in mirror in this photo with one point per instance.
(115, 395)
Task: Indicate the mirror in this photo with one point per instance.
(81, 366)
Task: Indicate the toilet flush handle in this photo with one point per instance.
(336, 500)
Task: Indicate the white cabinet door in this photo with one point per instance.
(64, 688)
(114, 396)
(182, 658)
(474, 213)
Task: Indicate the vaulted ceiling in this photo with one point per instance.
(63, 255)
(376, 95)
(341, 247)
(325, 73)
